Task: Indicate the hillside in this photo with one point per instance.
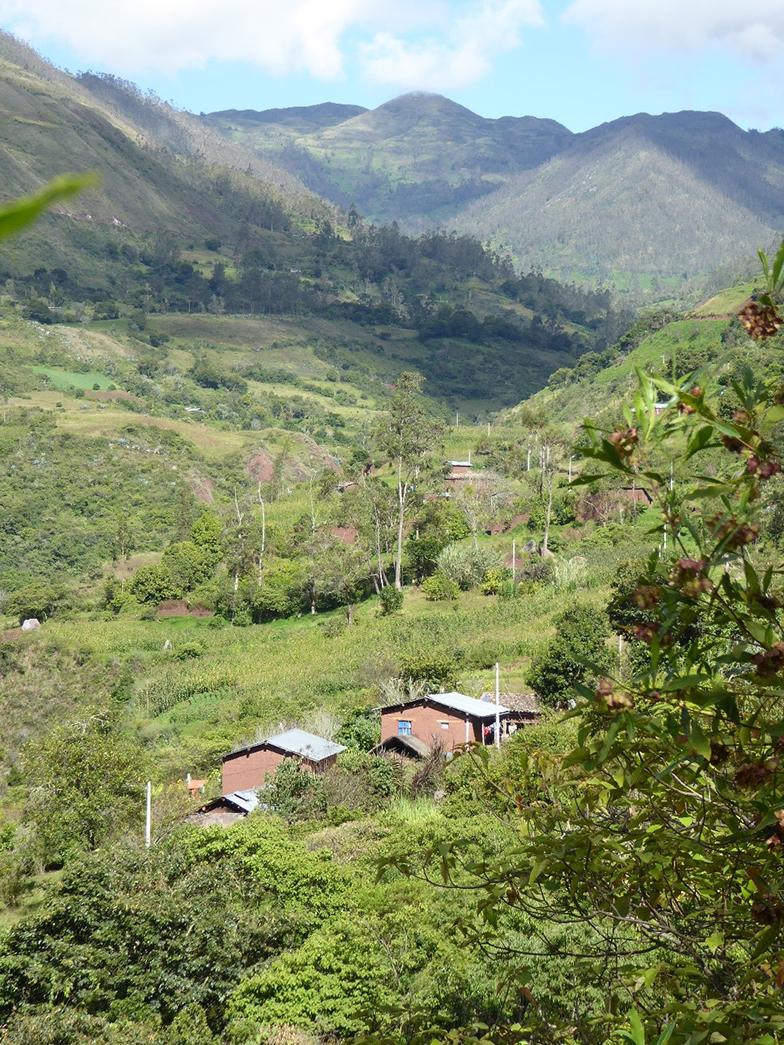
(186, 223)
(691, 191)
(51, 124)
(417, 159)
(709, 341)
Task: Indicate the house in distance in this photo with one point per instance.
(454, 720)
(248, 767)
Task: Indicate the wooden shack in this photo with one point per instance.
(452, 719)
(249, 767)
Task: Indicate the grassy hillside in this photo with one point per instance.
(709, 341)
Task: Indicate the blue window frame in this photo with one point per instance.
(403, 727)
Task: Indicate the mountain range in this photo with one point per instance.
(644, 203)
(649, 205)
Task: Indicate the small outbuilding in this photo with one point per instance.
(248, 767)
(459, 470)
(407, 747)
(524, 710)
(452, 719)
(225, 810)
(638, 495)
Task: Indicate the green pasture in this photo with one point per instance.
(71, 379)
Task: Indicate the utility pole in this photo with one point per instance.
(148, 820)
(514, 559)
(457, 418)
(497, 709)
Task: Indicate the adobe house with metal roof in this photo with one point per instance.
(248, 767)
(451, 718)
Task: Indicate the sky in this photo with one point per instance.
(581, 62)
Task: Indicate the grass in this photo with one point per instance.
(71, 379)
(728, 302)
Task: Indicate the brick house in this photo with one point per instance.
(248, 767)
(451, 718)
(460, 471)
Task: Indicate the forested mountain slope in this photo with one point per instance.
(690, 191)
(643, 202)
(416, 159)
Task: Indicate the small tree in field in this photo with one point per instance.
(408, 435)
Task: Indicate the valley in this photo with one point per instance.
(310, 413)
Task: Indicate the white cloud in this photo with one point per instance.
(459, 37)
(463, 55)
(755, 33)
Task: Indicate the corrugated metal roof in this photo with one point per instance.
(466, 705)
(244, 800)
(308, 745)
(461, 464)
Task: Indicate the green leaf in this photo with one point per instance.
(699, 741)
(21, 213)
(666, 1034)
(636, 1028)
(765, 267)
(714, 941)
(778, 264)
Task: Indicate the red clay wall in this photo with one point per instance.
(248, 769)
(427, 724)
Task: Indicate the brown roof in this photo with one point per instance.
(403, 745)
(525, 703)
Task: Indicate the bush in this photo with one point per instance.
(282, 592)
(188, 564)
(495, 579)
(35, 600)
(580, 635)
(295, 793)
(465, 565)
(436, 668)
(189, 650)
(123, 603)
(361, 730)
(153, 584)
(390, 600)
(439, 588)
